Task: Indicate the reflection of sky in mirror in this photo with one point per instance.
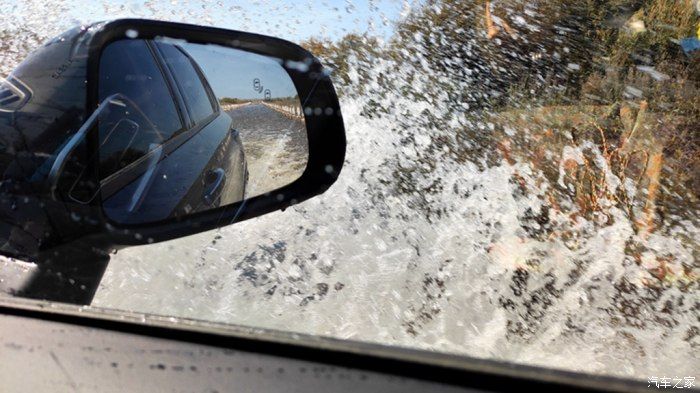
(233, 72)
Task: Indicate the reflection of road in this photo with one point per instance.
(275, 146)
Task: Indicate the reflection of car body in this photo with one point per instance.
(177, 151)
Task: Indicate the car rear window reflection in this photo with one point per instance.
(189, 80)
(129, 68)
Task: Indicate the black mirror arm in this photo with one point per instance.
(67, 274)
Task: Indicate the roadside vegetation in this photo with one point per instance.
(598, 99)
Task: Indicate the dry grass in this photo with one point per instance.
(646, 224)
(631, 141)
(624, 140)
(636, 125)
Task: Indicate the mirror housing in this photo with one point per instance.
(63, 73)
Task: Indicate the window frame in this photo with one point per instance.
(178, 86)
(205, 82)
(175, 93)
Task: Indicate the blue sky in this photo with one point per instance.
(231, 72)
(292, 20)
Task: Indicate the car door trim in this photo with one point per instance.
(131, 172)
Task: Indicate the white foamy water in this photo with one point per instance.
(359, 263)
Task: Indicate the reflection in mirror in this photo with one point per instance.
(199, 127)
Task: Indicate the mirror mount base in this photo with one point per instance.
(67, 274)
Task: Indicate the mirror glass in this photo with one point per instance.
(184, 127)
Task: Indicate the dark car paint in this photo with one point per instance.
(179, 178)
(180, 182)
(30, 139)
(32, 136)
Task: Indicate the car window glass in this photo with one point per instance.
(189, 81)
(522, 183)
(128, 67)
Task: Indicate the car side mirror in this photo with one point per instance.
(137, 131)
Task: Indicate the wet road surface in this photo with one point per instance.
(275, 146)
